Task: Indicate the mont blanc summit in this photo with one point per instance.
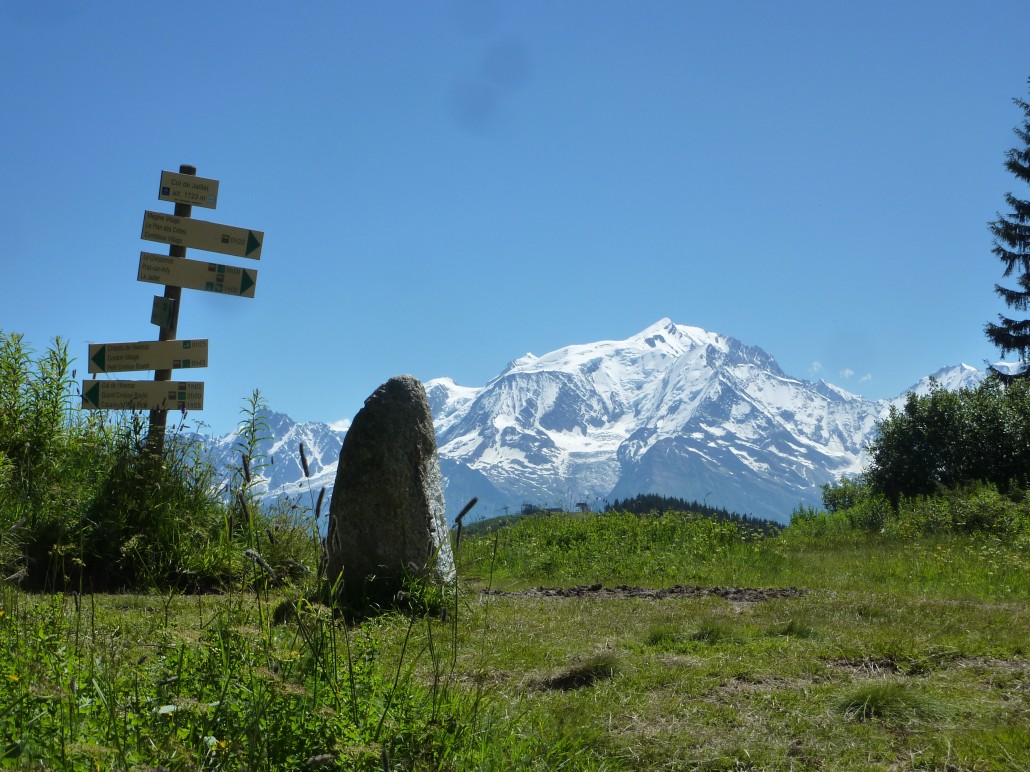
(674, 409)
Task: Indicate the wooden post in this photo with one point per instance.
(159, 418)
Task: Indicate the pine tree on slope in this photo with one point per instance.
(1012, 246)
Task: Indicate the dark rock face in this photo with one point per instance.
(387, 517)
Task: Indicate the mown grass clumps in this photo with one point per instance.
(664, 635)
(597, 667)
(892, 702)
(793, 628)
(714, 631)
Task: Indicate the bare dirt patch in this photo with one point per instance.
(732, 594)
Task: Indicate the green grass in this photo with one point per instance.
(908, 654)
(689, 549)
(908, 649)
(892, 702)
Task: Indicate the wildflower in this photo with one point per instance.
(13, 677)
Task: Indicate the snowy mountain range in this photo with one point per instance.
(674, 410)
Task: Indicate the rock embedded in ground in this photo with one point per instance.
(387, 518)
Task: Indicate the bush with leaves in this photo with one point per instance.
(945, 439)
(966, 509)
(975, 508)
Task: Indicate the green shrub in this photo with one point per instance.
(976, 508)
(870, 514)
(844, 494)
(945, 439)
(964, 509)
(808, 523)
(99, 511)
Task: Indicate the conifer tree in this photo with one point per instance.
(1012, 246)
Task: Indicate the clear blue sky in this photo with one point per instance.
(445, 186)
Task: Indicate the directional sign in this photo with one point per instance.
(194, 274)
(142, 395)
(188, 189)
(147, 355)
(200, 234)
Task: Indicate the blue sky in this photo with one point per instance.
(446, 186)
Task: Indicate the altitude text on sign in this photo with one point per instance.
(188, 189)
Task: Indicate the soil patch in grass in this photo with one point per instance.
(734, 594)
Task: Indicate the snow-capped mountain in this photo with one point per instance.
(280, 473)
(674, 410)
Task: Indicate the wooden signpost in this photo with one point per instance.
(175, 272)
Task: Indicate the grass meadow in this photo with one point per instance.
(899, 639)
(898, 654)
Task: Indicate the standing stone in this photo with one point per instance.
(387, 516)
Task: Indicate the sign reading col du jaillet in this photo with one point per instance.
(188, 189)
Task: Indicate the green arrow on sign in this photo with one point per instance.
(252, 243)
(100, 359)
(246, 282)
(92, 395)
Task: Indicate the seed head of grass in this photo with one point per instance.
(461, 516)
(255, 557)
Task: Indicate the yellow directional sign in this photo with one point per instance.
(200, 234)
(147, 355)
(188, 189)
(142, 395)
(194, 274)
